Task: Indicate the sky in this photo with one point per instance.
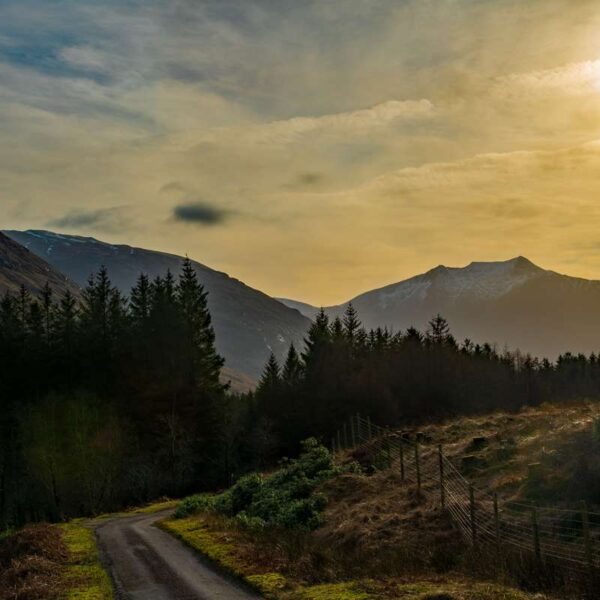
(312, 149)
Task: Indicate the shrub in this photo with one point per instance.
(287, 499)
(193, 504)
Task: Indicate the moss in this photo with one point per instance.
(196, 533)
(268, 583)
(333, 591)
(85, 578)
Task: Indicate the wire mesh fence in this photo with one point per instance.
(566, 537)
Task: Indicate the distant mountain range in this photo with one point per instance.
(19, 266)
(249, 325)
(513, 303)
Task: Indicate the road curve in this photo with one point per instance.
(147, 563)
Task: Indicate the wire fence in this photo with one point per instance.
(569, 538)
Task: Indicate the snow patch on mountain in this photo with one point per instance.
(478, 280)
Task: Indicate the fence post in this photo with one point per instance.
(587, 540)
(388, 450)
(472, 513)
(442, 483)
(352, 432)
(401, 458)
(496, 521)
(369, 429)
(345, 429)
(536, 534)
(418, 465)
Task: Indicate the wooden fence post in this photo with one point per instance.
(418, 465)
(442, 483)
(388, 450)
(587, 540)
(472, 513)
(536, 534)
(401, 458)
(496, 521)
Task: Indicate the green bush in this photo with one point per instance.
(194, 504)
(285, 499)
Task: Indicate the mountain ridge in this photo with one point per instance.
(512, 303)
(20, 267)
(248, 323)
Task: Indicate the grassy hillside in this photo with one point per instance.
(372, 536)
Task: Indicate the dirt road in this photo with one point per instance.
(148, 564)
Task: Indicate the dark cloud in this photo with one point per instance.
(199, 213)
(107, 219)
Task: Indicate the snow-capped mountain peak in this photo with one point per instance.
(481, 280)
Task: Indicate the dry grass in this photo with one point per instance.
(380, 539)
(502, 448)
(32, 564)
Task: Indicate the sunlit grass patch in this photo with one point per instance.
(333, 591)
(85, 577)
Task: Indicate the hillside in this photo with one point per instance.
(377, 536)
(512, 303)
(248, 323)
(19, 266)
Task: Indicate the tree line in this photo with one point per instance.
(404, 378)
(108, 400)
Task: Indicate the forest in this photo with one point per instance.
(108, 401)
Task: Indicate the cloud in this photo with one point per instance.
(108, 219)
(570, 79)
(200, 213)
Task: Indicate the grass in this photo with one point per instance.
(378, 538)
(241, 553)
(85, 578)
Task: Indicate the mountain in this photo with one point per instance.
(19, 266)
(512, 303)
(248, 323)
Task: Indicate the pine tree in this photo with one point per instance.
(271, 376)
(337, 330)
(204, 364)
(48, 311)
(439, 330)
(140, 301)
(351, 322)
(292, 369)
(318, 337)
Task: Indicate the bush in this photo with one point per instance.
(194, 504)
(287, 499)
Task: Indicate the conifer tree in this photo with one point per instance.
(205, 364)
(351, 322)
(271, 376)
(292, 369)
(439, 330)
